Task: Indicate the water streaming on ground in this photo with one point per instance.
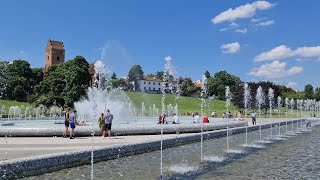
(185, 160)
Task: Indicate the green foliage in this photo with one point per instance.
(3, 79)
(135, 74)
(122, 83)
(6, 104)
(64, 83)
(217, 84)
(18, 81)
(207, 74)
(187, 87)
(308, 91)
(114, 76)
(317, 94)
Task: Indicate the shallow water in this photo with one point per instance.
(281, 160)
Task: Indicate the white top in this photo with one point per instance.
(176, 119)
(196, 119)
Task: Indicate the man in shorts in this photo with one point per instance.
(108, 121)
(254, 118)
(73, 122)
(66, 123)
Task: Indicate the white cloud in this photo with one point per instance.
(308, 52)
(280, 52)
(283, 52)
(241, 30)
(231, 26)
(257, 20)
(266, 23)
(241, 12)
(292, 85)
(230, 48)
(275, 70)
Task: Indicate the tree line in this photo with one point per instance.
(63, 84)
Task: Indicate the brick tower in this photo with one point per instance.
(55, 53)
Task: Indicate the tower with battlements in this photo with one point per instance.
(55, 53)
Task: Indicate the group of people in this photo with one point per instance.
(163, 119)
(71, 121)
(104, 121)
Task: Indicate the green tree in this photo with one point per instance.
(3, 79)
(217, 84)
(187, 87)
(18, 81)
(207, 74)
(317, 94)
(135, 74)
(159, 75)
(114, 76)
(78, 77)
(308, 91)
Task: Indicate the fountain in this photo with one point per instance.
(287, 105)
(228, 101)
(270, 96)
(292, 104)
(279, 105)
(203, 96)
(246, 96)
(168, 86)
(260, 99)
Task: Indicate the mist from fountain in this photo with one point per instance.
(260, 99)
(203, 96)
(279, 105)
(270, 96)
(246, 96)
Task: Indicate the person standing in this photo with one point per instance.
(66, 123)
(101, 123)
(73, 122)
(175, 119)
(108, 123)
(196, 118)
(254, 118)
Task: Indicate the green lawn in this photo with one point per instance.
(5, 105)
(185, 104)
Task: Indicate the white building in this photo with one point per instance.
(150, 85)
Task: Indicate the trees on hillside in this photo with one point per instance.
(135, 74)
(308, 91)
(64, 83)
(187, 87)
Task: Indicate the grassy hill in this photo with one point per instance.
(5, 105)
(185, 104)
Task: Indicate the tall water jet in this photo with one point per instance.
(203, 96)
(260, 99)
(270, 96)
(228, 101)
(279, 105)
(246, 96)
(228, 97)
(167, 87)
(287, 106)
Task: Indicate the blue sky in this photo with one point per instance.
(266, 40)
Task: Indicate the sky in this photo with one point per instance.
(256, 40)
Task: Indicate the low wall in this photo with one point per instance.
(23, 167)
(119, 130)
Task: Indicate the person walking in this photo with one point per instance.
(108, 123)
(101, 123)
(254, 118)
(66, 122)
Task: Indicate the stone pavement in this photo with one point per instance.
(20, 147)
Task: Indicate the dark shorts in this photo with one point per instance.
(66, 124)
(72, 125)
(108, 126)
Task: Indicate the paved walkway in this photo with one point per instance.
(19, 147)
